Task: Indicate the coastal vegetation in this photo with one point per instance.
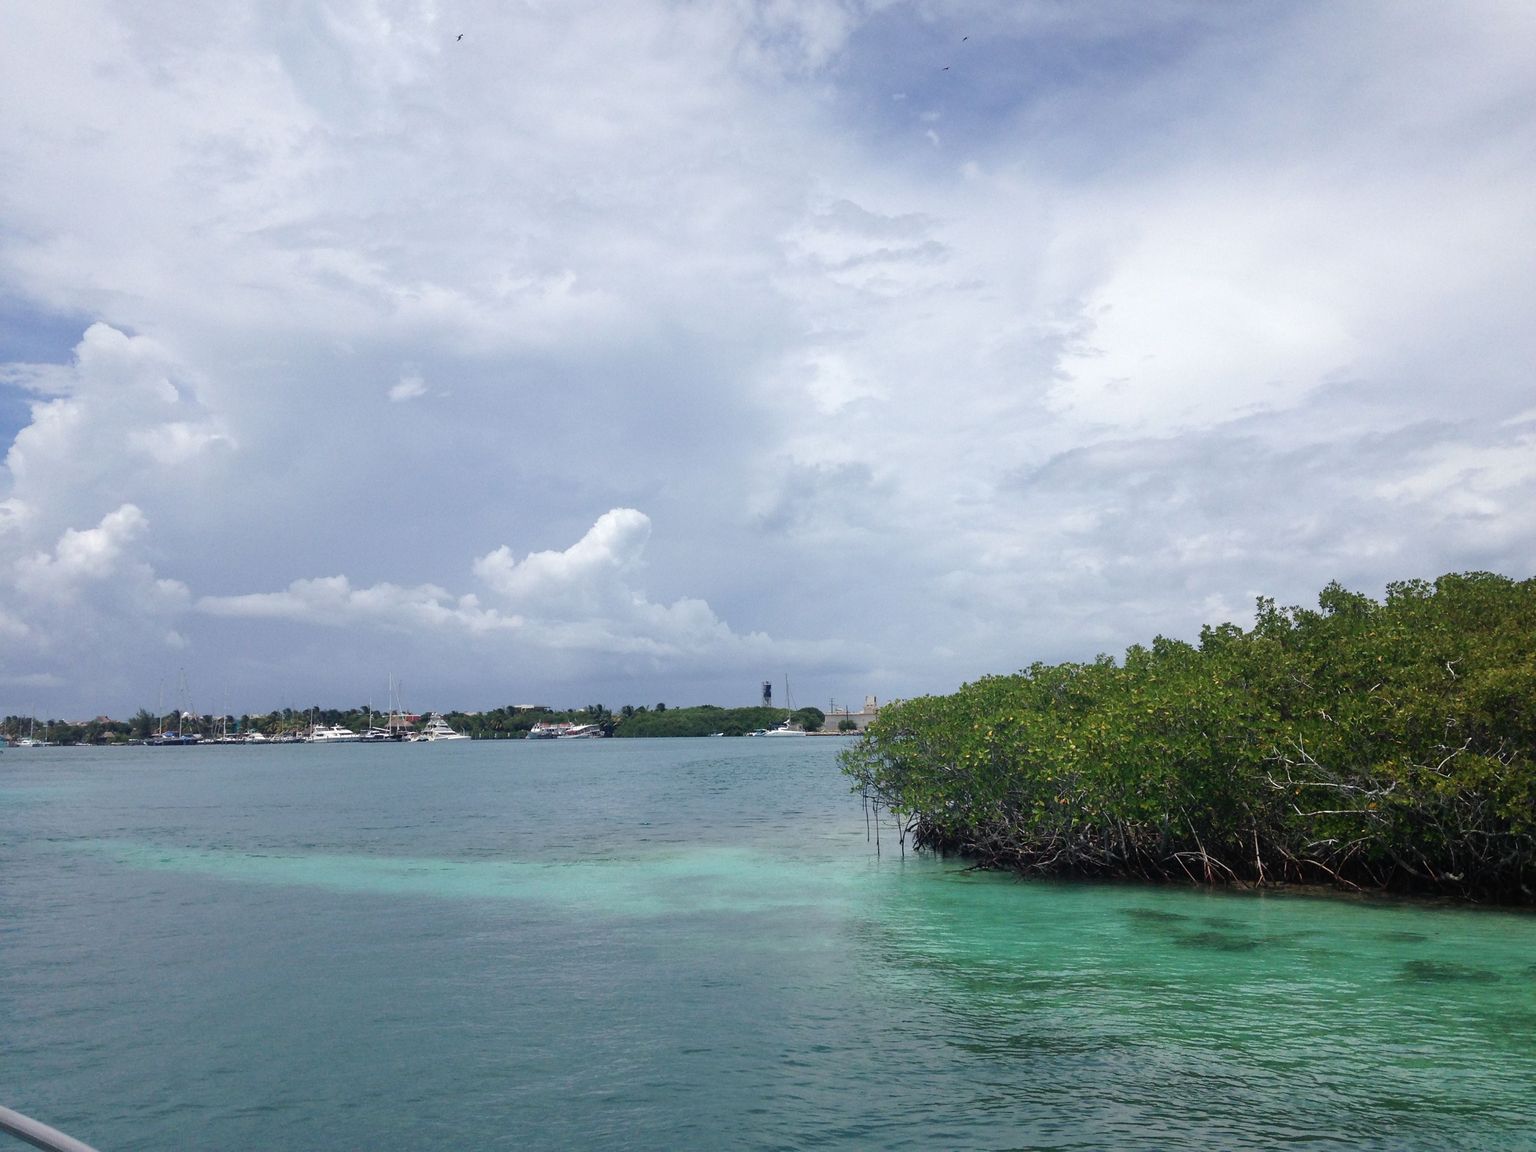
(507, 723)
(1369, 745)
(708, 720)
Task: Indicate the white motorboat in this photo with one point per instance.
(564, 730)
(30, 740)
(332, 734)
(436, 728)
(788, 728)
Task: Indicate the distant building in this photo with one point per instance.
(861, 720)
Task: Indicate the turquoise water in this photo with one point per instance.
(688, 944)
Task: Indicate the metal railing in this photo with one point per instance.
(38, 1134)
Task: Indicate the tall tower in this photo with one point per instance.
(767, 693)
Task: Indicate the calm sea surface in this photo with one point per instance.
(687, 944)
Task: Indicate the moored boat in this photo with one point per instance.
(788, 728)
(564, 730)
(332, 734)
(436, 728)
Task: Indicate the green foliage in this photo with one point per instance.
(143, 724)
(811, 719)
(1382, 745)
(705, 720)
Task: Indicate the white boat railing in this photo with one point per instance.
(38, 1134)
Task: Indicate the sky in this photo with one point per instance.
(570, 353)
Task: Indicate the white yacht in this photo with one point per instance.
(332, 734)
(30, 740)
(437, 728)
(788, 728)
(564, 730)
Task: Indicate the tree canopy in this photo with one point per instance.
(1373, 745)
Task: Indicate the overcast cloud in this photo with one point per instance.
(639, 352)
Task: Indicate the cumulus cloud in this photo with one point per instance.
(1190, 303)
(332, 602)
(589, 575)
(583, 597)
(56, 604)
(122, 417)
(91, 554)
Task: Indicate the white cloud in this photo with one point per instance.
(123, 417)
(332, 602)
(411, 386)
(58, 603)
(1153, 330)
(581, 598)
(589, 575)
(91, 554)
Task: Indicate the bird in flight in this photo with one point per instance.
(461, 36)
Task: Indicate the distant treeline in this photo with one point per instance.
(1384, 746)
(707, 720)
(508, 723)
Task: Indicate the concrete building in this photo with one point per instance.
(861, 720)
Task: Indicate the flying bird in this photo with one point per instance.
(461, 36)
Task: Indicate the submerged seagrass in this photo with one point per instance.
(1373, 745)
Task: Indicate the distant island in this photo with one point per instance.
(1369, 746)
(512, 722)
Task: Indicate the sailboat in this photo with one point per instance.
(789, 727)
(180, 736)
(397, 726)
(30, 740)
(374, 733)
